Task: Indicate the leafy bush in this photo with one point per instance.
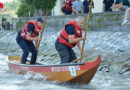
(29, 7)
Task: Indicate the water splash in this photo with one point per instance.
(3, 58)
(40, 77)
(35, 76)
(28, 75)
(3, 63)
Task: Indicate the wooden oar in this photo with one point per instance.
(42, 31)
(86, 28)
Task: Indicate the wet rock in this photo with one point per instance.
(127, 61)
(105, 68)
(124, 48)
(121, 50)
(126, 73)
(124, 70)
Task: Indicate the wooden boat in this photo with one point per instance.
(79, 73)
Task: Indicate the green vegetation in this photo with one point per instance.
(30, 7)
(98, 20)
(11, 8)
(12, 5)
(25, 10)
(117, 17)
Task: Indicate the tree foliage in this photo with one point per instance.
(25, 10)
(11, 8)
(11, 5)
(30, 6)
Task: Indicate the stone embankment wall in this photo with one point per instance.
(98, 22)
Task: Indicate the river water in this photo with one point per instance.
(101, 81)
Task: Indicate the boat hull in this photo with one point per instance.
(79, 73)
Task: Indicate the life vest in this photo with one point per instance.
(63, 37)
(34, 33)
(68, 5)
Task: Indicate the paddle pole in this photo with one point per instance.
(86, 28)
(42, 31)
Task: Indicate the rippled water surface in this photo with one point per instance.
(101, 81)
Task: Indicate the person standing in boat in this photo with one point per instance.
(26, 37)
(70, 36)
